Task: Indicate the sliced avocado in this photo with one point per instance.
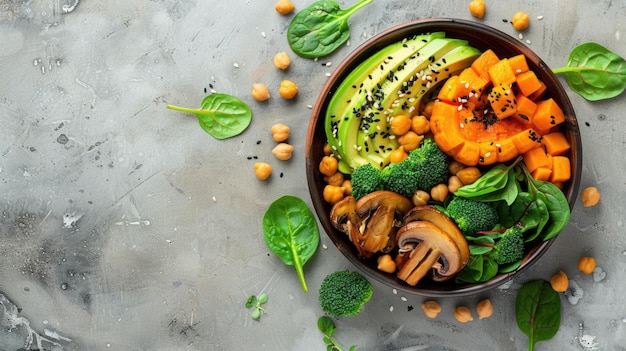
(385, 97)
(406, 96)
(348, 99)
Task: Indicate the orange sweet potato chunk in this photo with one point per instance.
(547, 115)
(556, 143)
(528, 82)
(536, 158)
(525, 109)
(502, 74)
(561, 169)
(519, 64)
(483, 62)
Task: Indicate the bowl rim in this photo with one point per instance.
(394, 34)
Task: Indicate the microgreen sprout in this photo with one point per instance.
(327, 326)
(255, 302)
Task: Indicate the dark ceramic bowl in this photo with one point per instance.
(481, 37)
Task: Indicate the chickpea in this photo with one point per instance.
(282, 60)
(420, 198)
(455, 166)
(484, 309)
(288, 89)
(420, 125)
(283, 151)
(398, 155)
(431, 308)
(262, 170)
(590, 196)
(463, 314)
(284, 7)
(454, 184)
(400, 124)
(260, 92)
(439, 192)
(386, 264)
(335, 179)
(587, 264)
(559, 282)
(520, 20)
(327, 149)
(347, 187)
(333, 194)
(427, 110)
(468, 175)
(280, 132)
(328, 166)
(477, 8)
(410, 140)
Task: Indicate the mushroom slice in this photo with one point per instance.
(342, 213)
(436, 252)
(432, 214)
(382, 211)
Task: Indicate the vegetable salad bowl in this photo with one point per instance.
(482, 38)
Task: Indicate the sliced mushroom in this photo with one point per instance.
(382, 212)
(342, 213)
(432, 214)
(436, 252)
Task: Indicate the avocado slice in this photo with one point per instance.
(405, 95)
(372, 138)
(348, 99)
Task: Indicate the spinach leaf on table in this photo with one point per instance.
(320, 28)
(290, 231)
(594, 72)
(222, 116)
(538, 311)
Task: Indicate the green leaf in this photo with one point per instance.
(252, 301)
(538, 311)
(320, 28)
(222, 116)
(290, 231)
(557, 206)
(594, 72)
(262, 298)
(326, 326)
(256, 314)
(493, 180)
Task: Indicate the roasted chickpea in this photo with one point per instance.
(520, 20)
(280, 132)
(335, 179)
(288, 89)
(333, 194)
(400, 124)
(386, 264)
(587, 264)
(477, 8)
(454, 184)
(328, 165)
(284, 7)
(431, 308)
(420, 125)
(463, 314)
(410, 140)
(347, 187)
(260, 92)
(262, 170)
(283, 151)
(484, 309)
(282, 60)
(428, 109)
(468, 175)
(327, 149)
(559, 282)
(398, 155)
(420, 198)
(455, 166)
(590, 196)
(439, 192)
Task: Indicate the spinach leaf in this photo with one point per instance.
(320, 28)
(290, 231)
(594, 72)
(557, 206)
(222, 116)
(328, 328)
(493, 180)
(479, 268)
(538, 311)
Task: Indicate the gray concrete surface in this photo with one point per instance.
(125, 227)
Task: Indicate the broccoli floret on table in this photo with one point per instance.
(510, 247)
(343, 293)
(365, 179)
(472, 216)
(424, 168)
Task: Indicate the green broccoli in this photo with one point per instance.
(431, 163)
(509, 247)
(343, 293)
(472, 216)
(424, 168)
(365, 179)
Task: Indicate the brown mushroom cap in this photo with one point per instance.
(342, 212)
(436, 252)
(432, 214)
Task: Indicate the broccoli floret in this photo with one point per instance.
(431, 163)
(365, 179)
(424, 168)
(343, 293)
(510, 247)
(401, 178)
(472, 216)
